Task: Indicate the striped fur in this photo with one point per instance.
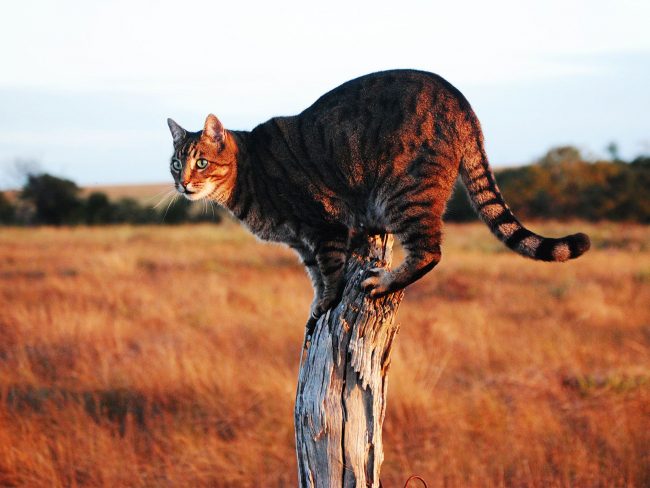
(377, 154)
(493, 210)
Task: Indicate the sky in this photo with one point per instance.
(86, 86)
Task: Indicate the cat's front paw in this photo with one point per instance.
(377, 283)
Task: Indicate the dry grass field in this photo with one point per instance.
(151, 356)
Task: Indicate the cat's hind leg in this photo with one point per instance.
(420, 235)
(413, 204)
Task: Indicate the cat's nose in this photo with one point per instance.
(186, 187)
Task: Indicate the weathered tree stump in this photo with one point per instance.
(342, 384)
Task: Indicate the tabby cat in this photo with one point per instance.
(378, 154)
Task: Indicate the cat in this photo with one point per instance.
(378, 154)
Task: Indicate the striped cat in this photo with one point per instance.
(378, 154)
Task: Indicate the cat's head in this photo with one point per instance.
(204, 162)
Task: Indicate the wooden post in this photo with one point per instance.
(342, 384)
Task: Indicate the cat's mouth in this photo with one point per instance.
(192, 195)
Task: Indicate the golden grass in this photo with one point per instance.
(150, 356)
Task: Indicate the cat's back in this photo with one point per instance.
(385, 90)
(354, 121)
(363, 134)
(379, 122)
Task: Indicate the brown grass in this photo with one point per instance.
(168, 357)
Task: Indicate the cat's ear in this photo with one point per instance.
(213, 130)
(178, 133)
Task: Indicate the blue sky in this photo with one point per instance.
(86, 87)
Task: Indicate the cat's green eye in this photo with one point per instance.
(176, 165)
(201, 163)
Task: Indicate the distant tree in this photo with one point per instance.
(459, 208)
(56, 201)
(7, 210)
(562, 185)
(128, 210)
(642, 161)
(613, 151)
(98, 209)
(560, 155)
(639, 191)
(176, 213)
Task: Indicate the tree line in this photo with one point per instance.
(560, 185)
(49, 200)
(563, 185)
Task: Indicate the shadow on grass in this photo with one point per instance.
(114, 405)
(119, 406)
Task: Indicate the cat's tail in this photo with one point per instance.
(489, 204)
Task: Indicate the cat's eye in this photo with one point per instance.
(201, 163)
(176, 165)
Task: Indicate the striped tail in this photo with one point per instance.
(489, 204)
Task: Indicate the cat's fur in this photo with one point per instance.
(377, 154)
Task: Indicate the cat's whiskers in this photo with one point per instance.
(171, 202)
(165, 197)
(150, 198)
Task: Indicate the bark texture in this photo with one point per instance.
(342, 384)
